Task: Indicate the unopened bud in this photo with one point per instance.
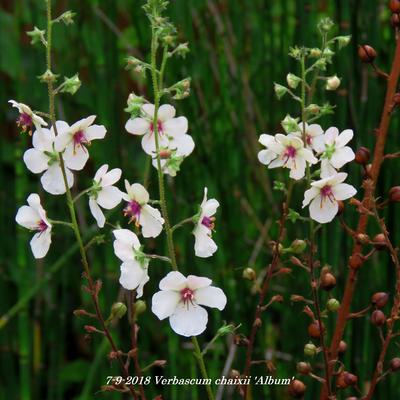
(342, 346)
(118, 310)
(395, 20)
(379, 241)
(363, 238)
(314, 329)
(249, 274)
(303, 368)
(48, 77)
(333, 305)
(182, 49)
(362, 156)
(325, 25)
(327, 281)
(332, 83)
(378, 318)
(380, 299)
(367, 54)
(394, 6)
(280, 90)
(297, 389)
(310, 349)
(159, 363)
(315, 52)
(350, 379)
(356, 261)
(71, 85)
(290, 124)
(37, 36)
(140, 307)
(313, 108)
(67, 17)
(298, 246)
(395, 364)
(164, 154)
(394, 194)
(293, 80)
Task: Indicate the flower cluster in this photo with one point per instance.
(308, 145)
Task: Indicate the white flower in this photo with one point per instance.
(334, 151)
(44, 158)
(103, 194)
(286, 151)
(171, 131)
(312, 132)
(181, 299)
(204, 246)
(134, 263)
(27, 117)
(76, 138)
(324, 195)
(33, 217)
(147, 217)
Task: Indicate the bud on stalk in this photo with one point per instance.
(367, 54)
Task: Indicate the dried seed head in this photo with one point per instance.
(297, 389)
(379, 241)
(395, 364)
(249, 274)
(327, 281)
(394, 6)
(378, 318)
(314, 329)
(367, 54)
(380, 299)
(394, 194)
(303, 368)
(342, 347)
(356, 261)
(362, 156)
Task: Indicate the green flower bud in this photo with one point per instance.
(118, 310)
(67, 17)
(37, 36)
(310, 349)
(313, 109)
(325, 25)
(343, 41)
(182, 50)
(71, 85)
(249, 274)
(333, 305)
(47, 77)
(134, 105)
(298, 246)
(290, 124)
(140, 307)
(292, 80)
(315, 52)
(280, 90)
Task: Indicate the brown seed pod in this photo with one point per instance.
(394, 6)
(303, 368)
(366, 53)
(395, 364)
(297, 389)
(327, 281)
(394, 194)
(379, 241)
(362, 156)
(380, 299)
(350, 379)
(314, 329)
(341, 382)
(378, 318)
(342, 347)
(356, 260)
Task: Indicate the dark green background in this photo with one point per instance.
(238, 49)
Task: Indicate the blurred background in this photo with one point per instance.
(238, 50)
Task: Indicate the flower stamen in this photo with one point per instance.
(133, 209)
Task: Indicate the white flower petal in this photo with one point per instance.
(133, 276)
(148, 110)
(341, 157)
(266, 156)
(297, 168)
(101, 172)
(109, 197)
(40, 243)
(35, 160)
(53, 182)
(95, 132)
(209, 208)
(125, 244)
(309, 195)
(327, 169)
(137, 126)
(197, 282)
(62, 140)
(188, 319)
(266, 139)
(323, 211)
(318, 143)
(43, 139)
(82, 124)
(184, 145)
(344, 138)
(204, 245)
(166, 112)
(111, 177)
(175, 127)
(76, 157)
(164, 303)
(151, 221)
(27, 217)
(139, 193)
(343, 191)
(278, 162)
(211, 297)
(97, 213)
(330, 135)
(174, 280)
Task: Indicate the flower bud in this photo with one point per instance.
(297, 389)
(394, 6)
(303, 368)
(71, 85)
(140, 307)
(348, 379)
(37, 36)
(310, 349)
(363, 238)
(280, 90)
(343, 41)
(341, 382)
(333, 305)
(362, 156)
(395, 364)
(118, 310)
(342, 346)
(315, 52)
(182, 49)
(48, 77)
(332, 83)
(314, 329)
(380, 299)
(378, 318)
(298, 246)
(292, 80)
(249, 274)
(313, 108)
(356, 261)
(164, 154)
(290, 124)
(379, 241)
(394, 194)
(67, 17)
(327, 281)
(325, 25)
(234, 374)
(367, 54)
(395, 20)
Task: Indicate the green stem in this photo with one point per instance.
(157, 90)
(183, 222)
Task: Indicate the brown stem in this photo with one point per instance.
(369, 185)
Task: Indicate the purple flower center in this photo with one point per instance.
(24, 121)
(309, 139)
(208, 222)
(132, 209)
(79, 138)
(327, 193)
(187, 295)
(290, 152)
(42, 226)
(159, 127)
